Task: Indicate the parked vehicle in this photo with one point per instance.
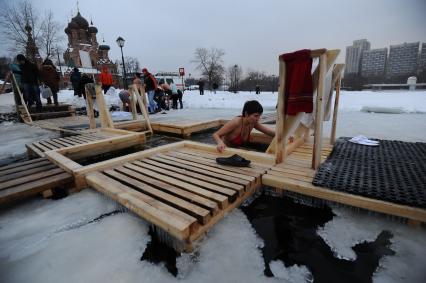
(170, 77)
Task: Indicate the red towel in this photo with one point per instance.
(298, 83)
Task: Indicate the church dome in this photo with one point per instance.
(80, 21)
(104, 47)
(93, 29)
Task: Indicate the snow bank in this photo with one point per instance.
(408, 101)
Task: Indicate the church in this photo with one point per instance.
(84, 51)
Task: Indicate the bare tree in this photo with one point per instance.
(132, 64)
(50, 34)
(13, 19)
(235, 74)
(16, 16)
(210, 64)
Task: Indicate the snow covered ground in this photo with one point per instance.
(57, 241)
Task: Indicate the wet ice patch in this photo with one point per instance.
(293, 273)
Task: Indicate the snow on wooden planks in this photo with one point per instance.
(181, 190)
(24, 179)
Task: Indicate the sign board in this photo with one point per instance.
(85, 59)
(181, 72)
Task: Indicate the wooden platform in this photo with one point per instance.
(178, 187)
(39, 148)
(295, 174)
(47, 112)
(184, 127)
(28, 178)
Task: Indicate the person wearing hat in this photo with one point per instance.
(150, 86)
(30, 80)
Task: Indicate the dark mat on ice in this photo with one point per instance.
(394, 171)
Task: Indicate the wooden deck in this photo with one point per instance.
(295, 174)
(28, 178)
(39, 148)
(178, 187)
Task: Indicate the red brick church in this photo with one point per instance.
(84, 51)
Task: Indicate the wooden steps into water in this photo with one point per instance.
(46, 112)
(28, 178)
(295, 174)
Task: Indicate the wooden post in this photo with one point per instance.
(16, 88)
(143, 106)
(89, 108)
(106, 120)
(133, 101)
(336, 108)
(319, 113)
(279, 128)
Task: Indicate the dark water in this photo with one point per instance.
(289, 232)
(157, 252)
(9, 117)
(288, 229)
(151, 142)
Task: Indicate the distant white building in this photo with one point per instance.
(354, 55)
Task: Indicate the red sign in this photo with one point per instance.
(181, 72)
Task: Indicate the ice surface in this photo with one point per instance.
(55, 241)
(14, 136)
(350, 227)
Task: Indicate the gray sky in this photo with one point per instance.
(164, 34)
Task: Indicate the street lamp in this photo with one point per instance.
(59, 63)
(120, 42)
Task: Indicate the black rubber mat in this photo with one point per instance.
(394, 171)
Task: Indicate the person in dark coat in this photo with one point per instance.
(50, 77)
(75, 80)
(201, 87)
(30, 81)
(150, 87)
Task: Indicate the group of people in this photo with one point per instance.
(160, 94)
(80, 80)
(30, 78)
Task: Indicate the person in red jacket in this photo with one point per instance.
(106, 79)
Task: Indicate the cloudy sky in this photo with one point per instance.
(164, 34)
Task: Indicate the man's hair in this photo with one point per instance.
(138, 75)
(251, 107)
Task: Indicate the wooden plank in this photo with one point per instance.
(63, 162)
(197, 182)
(155, 212)
(17, 89)
(141, 99)
(335, 112)
(259, 168)
(290, 176)
(18, 164)
(90, 108)
(203, 215)
(22, 173)
(41, 147)
(221, 200)
(48, 145)
(56, 143)
(202, 160)
(191, 167)
(212, 168)
(33, 151)
(280, 141)
(25, 167)
(171, 189)
(232, 186)
(306, 188)
(30, 178)
(319, 113)
(256, 157)
(35, 187)
(64, 143)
